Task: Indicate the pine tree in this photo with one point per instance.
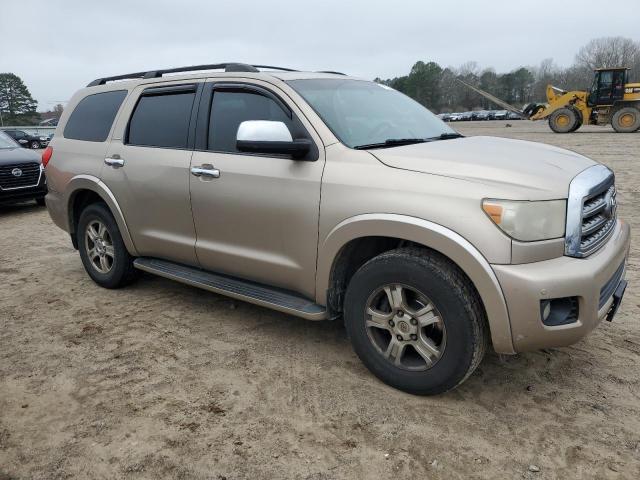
(16, 104)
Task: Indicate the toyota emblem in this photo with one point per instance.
(16, 172)
(610, 205)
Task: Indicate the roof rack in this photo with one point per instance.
(228, 67)
(331, 71)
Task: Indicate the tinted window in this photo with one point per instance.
(93, 116)
(230, 108)
(161, 120)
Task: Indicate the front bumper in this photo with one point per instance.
(17, 195)
(524, 286)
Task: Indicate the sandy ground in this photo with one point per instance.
(165, 381)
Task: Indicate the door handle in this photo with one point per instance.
(114, 161)
(205, 171)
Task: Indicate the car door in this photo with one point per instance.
(147, 169)
(257, 218)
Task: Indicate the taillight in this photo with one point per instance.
(46, 156)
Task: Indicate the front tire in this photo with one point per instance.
(564, 120)
(35, 145)
(102, 250)
(415, 321)
(40, 201)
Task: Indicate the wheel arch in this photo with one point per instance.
(86, 189)
(381, 232)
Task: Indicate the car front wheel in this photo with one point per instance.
(415, 321)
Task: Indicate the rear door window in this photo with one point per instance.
(92, 118)
(161, 118)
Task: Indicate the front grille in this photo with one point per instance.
(591, 211)
(608, 288)
(29, 177)
(598, 220)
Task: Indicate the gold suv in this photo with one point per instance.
(330, 197)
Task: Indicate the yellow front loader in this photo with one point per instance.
(611, 100)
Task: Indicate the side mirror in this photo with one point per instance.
(265, 136)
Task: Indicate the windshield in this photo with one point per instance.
(362, 113)
(6, 141)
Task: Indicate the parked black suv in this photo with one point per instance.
(28, 140)
(21, 174)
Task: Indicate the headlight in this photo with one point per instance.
(528, 221)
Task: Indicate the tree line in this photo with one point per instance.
(437, 88)
(430, 84)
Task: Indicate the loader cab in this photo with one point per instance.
(608, 86)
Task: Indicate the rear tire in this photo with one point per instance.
(564, 120)
(626, 120)
(103, 253)
(428, 342)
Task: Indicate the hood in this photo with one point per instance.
(17, 155)
(492, 160)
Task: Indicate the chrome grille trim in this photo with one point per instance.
(31, 175)
(591, 211)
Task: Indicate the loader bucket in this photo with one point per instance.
(532, 109)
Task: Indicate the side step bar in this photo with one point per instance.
(252, 292)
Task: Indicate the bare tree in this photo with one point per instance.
(610, 52)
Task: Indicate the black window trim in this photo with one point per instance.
(108, 137)
(170, 90)
(204, 117)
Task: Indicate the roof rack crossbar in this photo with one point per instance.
(228, 67)
(331, 71)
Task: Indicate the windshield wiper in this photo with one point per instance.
(447, 136)
(392, 142)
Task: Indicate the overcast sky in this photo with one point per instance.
(58, 46)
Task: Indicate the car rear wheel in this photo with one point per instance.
(415, 321)
(103, 253)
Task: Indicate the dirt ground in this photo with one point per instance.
(161, 380)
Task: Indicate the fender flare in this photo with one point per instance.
(431, 235)
(94, 184)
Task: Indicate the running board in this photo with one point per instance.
(252, 292)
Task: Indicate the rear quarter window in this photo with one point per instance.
(92, 118)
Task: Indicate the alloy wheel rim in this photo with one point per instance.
(99, 246)
(405, 327)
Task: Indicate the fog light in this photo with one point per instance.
(559, 311)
